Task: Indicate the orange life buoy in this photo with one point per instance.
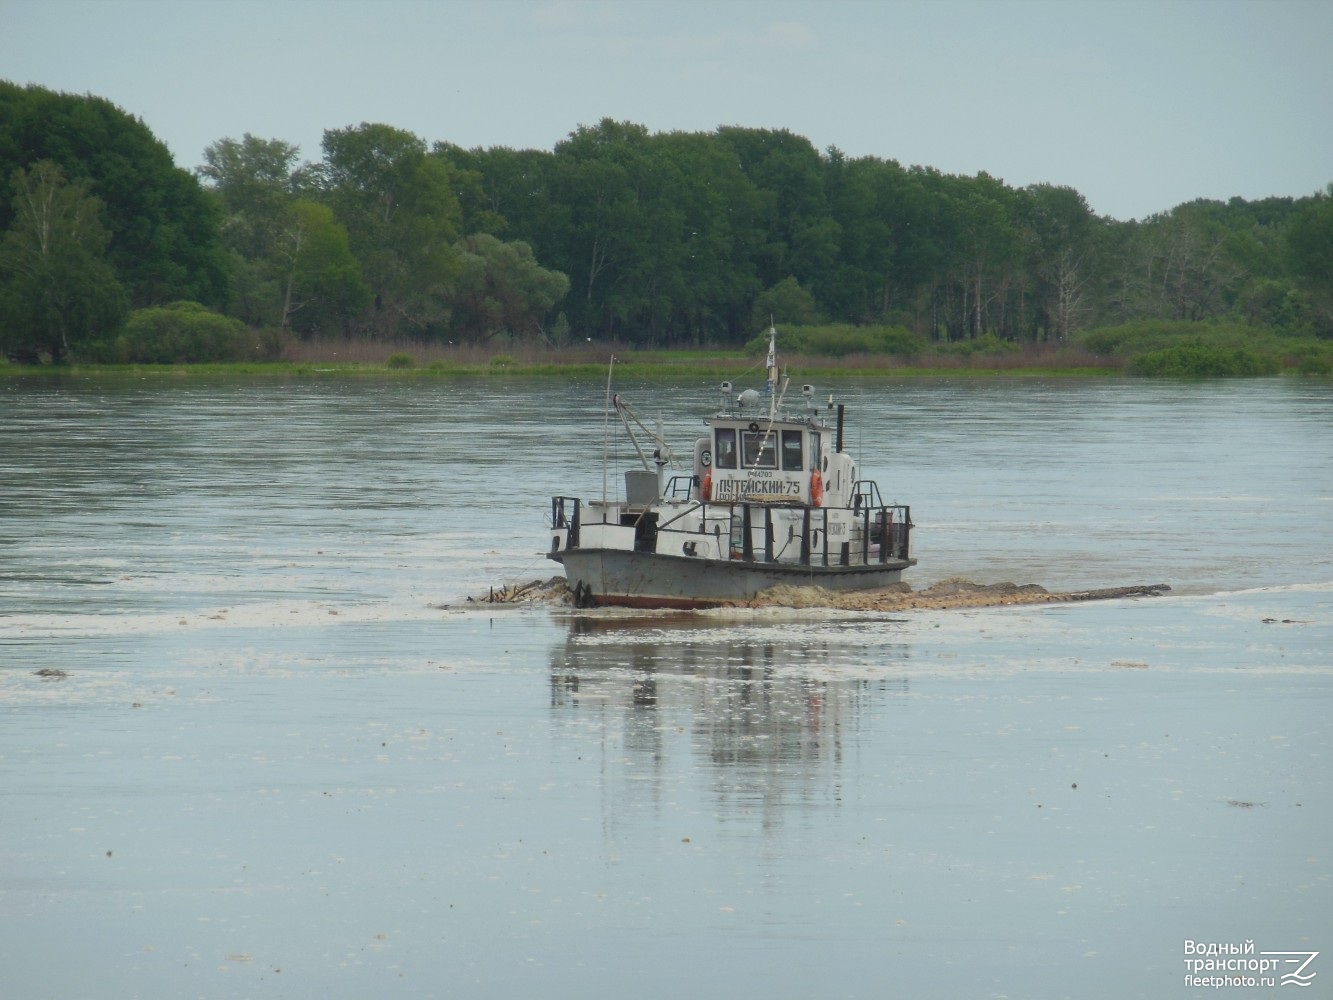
(706, 490)
(816, 488)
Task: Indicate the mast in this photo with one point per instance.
(772, 371)
(606, 425)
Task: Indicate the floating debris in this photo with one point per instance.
(51, 674)
(552, 591)
(955, 592)
(952, 593)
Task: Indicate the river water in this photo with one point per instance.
(256, 740)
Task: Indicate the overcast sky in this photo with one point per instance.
(1139, 106)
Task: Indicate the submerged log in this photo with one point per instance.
(1110, 593)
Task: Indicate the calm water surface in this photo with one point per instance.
(289, 758)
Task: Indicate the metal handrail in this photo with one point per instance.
(887, 526)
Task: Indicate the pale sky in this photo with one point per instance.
(1138, 105)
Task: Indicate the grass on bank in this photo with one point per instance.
(1150, 348)
(417, 360)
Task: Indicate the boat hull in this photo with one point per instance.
(620, 578)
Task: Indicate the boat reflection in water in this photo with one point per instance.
(733, 722)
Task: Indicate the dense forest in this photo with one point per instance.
(111, 252)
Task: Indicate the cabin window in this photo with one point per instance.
(791, 451)
(724, 455)
(759, 450)
(814, 450)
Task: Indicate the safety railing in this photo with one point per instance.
(860, 535)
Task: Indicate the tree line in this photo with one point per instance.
(659, 239)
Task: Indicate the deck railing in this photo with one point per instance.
(565, 514)
(752, 531)
(875, 534)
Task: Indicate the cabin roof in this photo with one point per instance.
(788, 421)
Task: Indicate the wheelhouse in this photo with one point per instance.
(753, 455)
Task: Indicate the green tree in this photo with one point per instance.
(802, 238)
(501, 287)
(1181, 265)
(977, 216)
(478, 197)
(1058, 230)
(57, 289)
(657, 233)
(164, 228)
(1309, 239)
(892, 253)
(253, 181)
(599, 175)
(786, 303)
(322, 288)
(713, 278)
(402, 219)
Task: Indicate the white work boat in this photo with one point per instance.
(773, 500)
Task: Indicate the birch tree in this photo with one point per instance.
(57, 289)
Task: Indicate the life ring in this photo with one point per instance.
(816, 489)
(706, 490)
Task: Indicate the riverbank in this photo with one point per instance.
(1172, 354)
(409, 360)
